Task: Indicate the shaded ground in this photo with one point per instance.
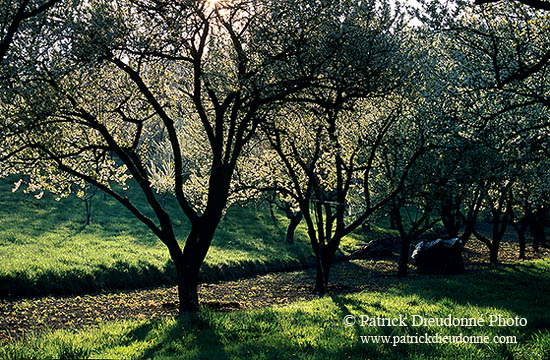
(477, 253)
(20, 316)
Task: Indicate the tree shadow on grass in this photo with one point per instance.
(194, 336)
(374, 351)
(189, 336)
(521, 289)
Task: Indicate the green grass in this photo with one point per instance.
(314, 329)
(45, 248)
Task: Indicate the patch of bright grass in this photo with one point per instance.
(314, 329)
(45, 247)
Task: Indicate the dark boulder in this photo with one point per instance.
(439, 257)
(377, 249)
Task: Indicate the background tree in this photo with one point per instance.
(413, 209)
(292, 213)
(332, 147)
(499, 53)
(503, 48)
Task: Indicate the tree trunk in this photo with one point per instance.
(188, 265)
(188, 281)
(536, 223)
(537, 229)
(271, 212)
(522, 243)
(88, 204)
(321, 278)
(493, 253)
(468, 231)
(393, 224)
(294, 221)
(535, 241)
(404, 257)
(450, 219)
(542, 213)
(322, 270)
(451, 230)
(470, 220)
(403, 262)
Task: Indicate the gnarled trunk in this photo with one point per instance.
(294, 221)
(468, 231)
(493, 253)
(470, 219)
(537, 229)
(521, 239)
(88, 205)
(188, 281)
(450, 216)
(324, 259)
(188, 265)
(521, 228)
(403, 263)
(393, 224)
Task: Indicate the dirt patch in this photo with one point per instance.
(223, 306)
(22, 316)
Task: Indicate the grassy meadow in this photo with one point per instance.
(45, 247)
(314, 329)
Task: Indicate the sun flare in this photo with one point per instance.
(210, 4)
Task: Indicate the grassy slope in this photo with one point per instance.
(44, 246)
(314, 329)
